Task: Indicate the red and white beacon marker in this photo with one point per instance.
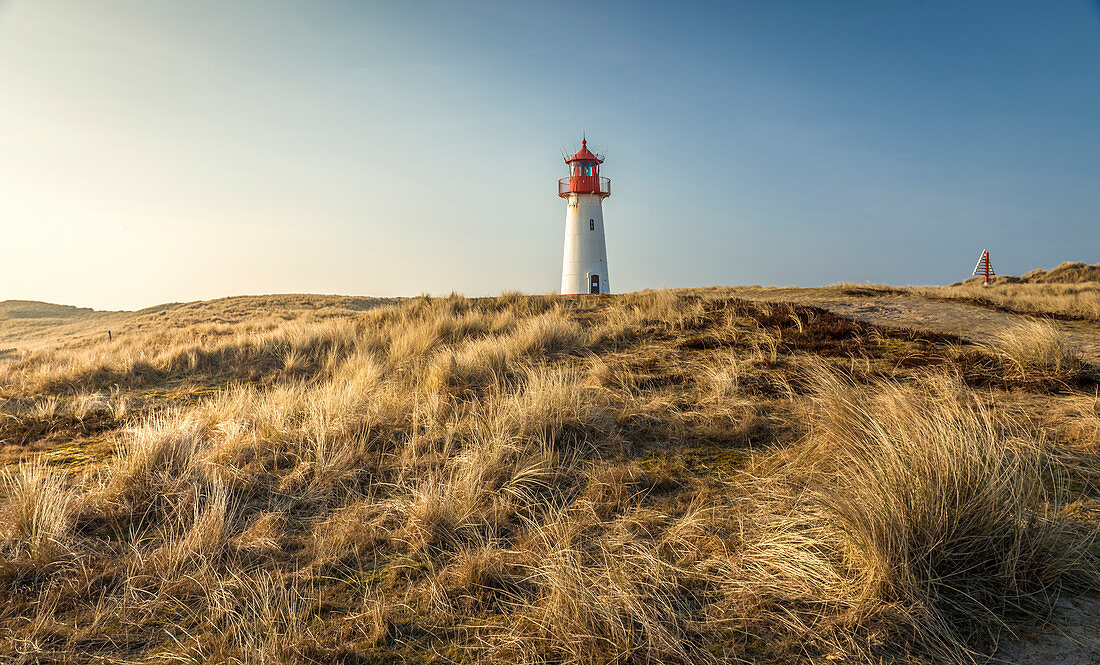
(984, 267)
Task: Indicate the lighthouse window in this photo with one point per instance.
(591, 225)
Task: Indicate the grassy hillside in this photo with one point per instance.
(1069, 292)
(1070, 272)
(1055, 300)
(27, 325)
(682, 477)
(31, 309)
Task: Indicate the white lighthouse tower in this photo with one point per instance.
(584, 266)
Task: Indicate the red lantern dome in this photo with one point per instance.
(584, 174)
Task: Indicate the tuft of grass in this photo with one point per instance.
(473, 368)
(935, 506)
(1036, 350)
(610, 600)
(36, 516)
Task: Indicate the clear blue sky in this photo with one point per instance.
(158, 151)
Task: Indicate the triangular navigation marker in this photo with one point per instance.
(984, 267)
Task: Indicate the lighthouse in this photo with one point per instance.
(584, 265)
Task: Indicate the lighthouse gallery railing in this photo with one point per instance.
(584, 184)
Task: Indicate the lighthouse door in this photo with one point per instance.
(595, 284)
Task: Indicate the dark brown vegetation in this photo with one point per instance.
(657, 477)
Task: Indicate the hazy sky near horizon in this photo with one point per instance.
(155, 151)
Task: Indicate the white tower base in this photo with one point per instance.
(584, 266)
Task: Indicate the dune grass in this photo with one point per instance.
(655, 477)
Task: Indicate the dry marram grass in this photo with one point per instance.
(656, 477)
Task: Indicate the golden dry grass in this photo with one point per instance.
(657, 477)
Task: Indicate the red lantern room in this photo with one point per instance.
(584, 175)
